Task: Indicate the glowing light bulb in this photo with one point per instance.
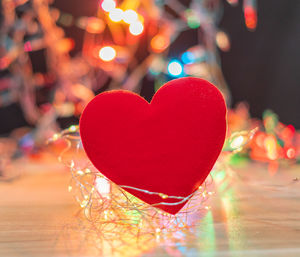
(107, 53)
(116, 14)
(102, 186)
(237, 142)
(108, 5)
(55, 137)
(80, 172)
(136, 28)
(175, 68)
(291, 153)
(130, 16)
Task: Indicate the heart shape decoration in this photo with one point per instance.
(168, 146)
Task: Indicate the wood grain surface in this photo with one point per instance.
(253, 213)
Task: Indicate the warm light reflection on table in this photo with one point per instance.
(252, 214)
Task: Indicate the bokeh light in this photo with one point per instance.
(223, 41)
(159, 43)
(237, 142)
(175, 68)
(102, 186)
(188, 57)
(291, 153)
(94, 25)
(136, 28)
(108, 5)
(130, 16)
(116, 15)
(63, 46)
(270, 144)
(107, 53)
(250, 17)
(192, 19)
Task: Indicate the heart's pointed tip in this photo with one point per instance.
(171, 209)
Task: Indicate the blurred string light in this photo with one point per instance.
(136, 28)
(126, 26)
(175, 68)
(130, 16)
(108, 5)
(102, 186)
(250, 14)
(238, 140)
(291, 152)
(188, 57)
(223, 41)
(116, 14)
(271, 142)
(107, 53)
(193, 20)
(94, 25)
(159, 43)
(116, 215)
(109, 206)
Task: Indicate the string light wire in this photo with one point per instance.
(104, 202)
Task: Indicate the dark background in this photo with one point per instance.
(261, 68)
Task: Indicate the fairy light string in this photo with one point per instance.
(104, 202)
(115, 221)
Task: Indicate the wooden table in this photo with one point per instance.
(252, 213)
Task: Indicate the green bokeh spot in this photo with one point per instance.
(193, 22)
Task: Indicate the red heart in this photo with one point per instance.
(168, 146)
